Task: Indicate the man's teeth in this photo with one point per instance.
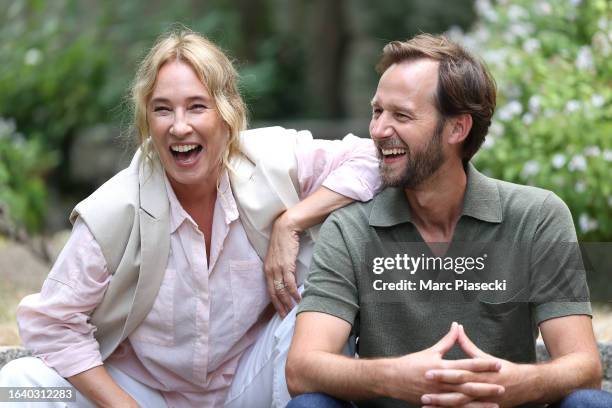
(183, 148)
(388, 152)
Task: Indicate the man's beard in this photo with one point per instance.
(419, 165)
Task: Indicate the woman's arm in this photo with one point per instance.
(285, 244)
(55, 322)
(100, 388)
(331, 174)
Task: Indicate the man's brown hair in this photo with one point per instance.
(464, 82)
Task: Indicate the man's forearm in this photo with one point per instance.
(555, 379)
(343, 377)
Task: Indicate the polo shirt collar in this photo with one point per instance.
(481, 201)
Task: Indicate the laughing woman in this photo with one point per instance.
(160, 296)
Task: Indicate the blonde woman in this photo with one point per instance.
(160, 296)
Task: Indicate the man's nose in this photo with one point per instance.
(380, 127)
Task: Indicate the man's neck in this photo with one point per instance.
(436, 204)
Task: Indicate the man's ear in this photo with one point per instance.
(461, 126)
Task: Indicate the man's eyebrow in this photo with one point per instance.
(395, 107)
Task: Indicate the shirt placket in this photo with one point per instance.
(202, 312)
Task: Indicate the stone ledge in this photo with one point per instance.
(11, 353)
(605, 348)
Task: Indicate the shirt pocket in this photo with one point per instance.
(158, 327)
(249, 294)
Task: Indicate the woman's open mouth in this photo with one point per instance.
(186, 154)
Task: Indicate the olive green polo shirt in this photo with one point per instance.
(523, 236)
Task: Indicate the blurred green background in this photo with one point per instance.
(66, 65)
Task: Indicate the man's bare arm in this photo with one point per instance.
(314, 365)
(574, 364)
(574, 357)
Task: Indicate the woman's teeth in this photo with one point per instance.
(183, 148)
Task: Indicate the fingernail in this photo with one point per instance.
(425, 399)
(501, 391)
(498, 366)
(429, 375)
(454, 325)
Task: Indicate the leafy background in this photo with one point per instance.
(66, 65)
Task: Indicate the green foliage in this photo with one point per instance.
(22, 166)
(52, 71)
(552, 60)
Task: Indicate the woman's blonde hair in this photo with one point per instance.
(212, 67)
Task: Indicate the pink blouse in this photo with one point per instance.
(205, 315)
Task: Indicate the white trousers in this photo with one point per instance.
(32, 372)
(259, 380)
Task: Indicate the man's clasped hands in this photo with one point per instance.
(476, 382)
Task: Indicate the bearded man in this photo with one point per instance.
(430, 115)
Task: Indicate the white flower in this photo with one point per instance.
(510, 110)
(584, 59)
(528, 119)
(489, 142)
(580, 187)
(455, 33)
(531, 45)
(578, 162)
(558, 160)
(7, 127)
(597, 100)
(18, 140)
(543, 8)
(607, 155)
(522, 30)
(592, 151)
(530, 168)
(513, 91)
(587, 223)
(496, 56)
(516, 13)
(484, 9)
(572, 106)
(32, 56)
(535, 102)
(602, 43)
(496, 129)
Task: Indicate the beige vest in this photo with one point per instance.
(129, 218)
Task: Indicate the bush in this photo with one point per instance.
(22, 191)
(552, 61)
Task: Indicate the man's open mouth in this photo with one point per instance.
(393, 153)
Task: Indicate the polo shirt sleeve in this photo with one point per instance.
(558, 286)
(331, 286)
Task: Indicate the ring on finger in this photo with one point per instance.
(279, 285)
